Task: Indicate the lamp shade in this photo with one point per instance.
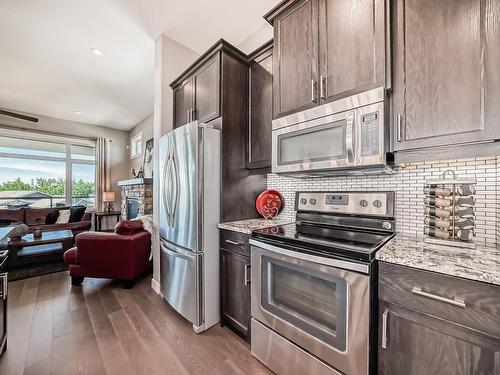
(108, 196)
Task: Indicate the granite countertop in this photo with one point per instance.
(247, 226)
(480, 264)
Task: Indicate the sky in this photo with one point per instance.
(27, 170)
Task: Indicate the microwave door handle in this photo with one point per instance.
(350, 137)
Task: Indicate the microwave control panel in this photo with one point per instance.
(370, 134)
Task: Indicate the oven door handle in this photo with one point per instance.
(337, 263)
(349, 135)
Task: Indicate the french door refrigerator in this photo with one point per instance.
(188, 218)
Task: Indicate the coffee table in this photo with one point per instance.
(30, 256)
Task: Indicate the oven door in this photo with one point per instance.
(314, 145)
(316, 303)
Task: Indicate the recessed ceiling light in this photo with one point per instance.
(78, 113)
(96, 52)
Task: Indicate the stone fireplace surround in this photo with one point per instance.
(140, 188)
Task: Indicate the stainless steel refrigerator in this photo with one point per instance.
(188, 218)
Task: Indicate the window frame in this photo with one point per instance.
(136, 139)
(67, 159)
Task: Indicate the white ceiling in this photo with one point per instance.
(46, 66)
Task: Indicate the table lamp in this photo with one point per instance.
(109, 199)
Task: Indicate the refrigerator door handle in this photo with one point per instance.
(166, 192)
(176, 253)
(175, 195)
(164, 187)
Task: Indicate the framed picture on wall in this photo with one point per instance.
(148, 159)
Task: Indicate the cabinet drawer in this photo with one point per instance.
(235, 242)
(471, 303)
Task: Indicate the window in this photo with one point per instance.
(136, 146)
(38, 170)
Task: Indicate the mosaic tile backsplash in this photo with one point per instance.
(408, 183)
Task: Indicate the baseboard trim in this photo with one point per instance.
(155, 285)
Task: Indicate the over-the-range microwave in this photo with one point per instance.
(347, 136)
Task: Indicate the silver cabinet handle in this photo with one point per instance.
(234, 243)
(399, 127)
(385, 318)
(314, 99)
(322, 87)
(452, 301)
(3, 293)
(247, 281)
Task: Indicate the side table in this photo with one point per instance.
(99, 215)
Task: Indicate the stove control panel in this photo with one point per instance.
(350, 203)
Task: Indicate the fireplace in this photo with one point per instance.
(132, 208)
(137, 197)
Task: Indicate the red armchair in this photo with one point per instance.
(122, 255)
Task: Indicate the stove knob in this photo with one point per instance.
(377, 203)
(303, 201)
(312, 201)
(386, 225)
(363, 203)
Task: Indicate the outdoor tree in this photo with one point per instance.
(51, 186)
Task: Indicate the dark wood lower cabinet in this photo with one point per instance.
(235, 292)
(413, 339)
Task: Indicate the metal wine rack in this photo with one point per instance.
(450, 210)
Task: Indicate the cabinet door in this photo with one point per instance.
(207, 91)
(183, 103)
(235, 292)
(412, 343)
(296, 63)
(261, 111)
(446, 72)
(351, 47)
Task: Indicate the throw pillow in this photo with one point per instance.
(77, 213)
(51, 217)
(63, 217)
(128, 227)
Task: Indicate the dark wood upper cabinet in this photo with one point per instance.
(183, 103)
(446, 75)
(219, 82)
(325, 50)
(296, 58)
(197, 97)
(352, 47)
(207, 91)
(452, 328)
(261, 108)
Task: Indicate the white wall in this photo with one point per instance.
(119, 156)
(171, 59)
(146, 127)
(263, 35)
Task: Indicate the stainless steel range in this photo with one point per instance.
(313, 284)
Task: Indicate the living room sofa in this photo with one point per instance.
(36, 217)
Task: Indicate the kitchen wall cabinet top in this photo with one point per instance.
(446, 75)
(326, 50)
(197, 90)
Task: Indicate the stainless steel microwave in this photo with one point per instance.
(342, 137)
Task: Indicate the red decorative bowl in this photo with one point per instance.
(269, 203)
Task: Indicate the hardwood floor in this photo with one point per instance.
(100, 328)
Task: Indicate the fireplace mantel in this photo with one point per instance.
(136, 181)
